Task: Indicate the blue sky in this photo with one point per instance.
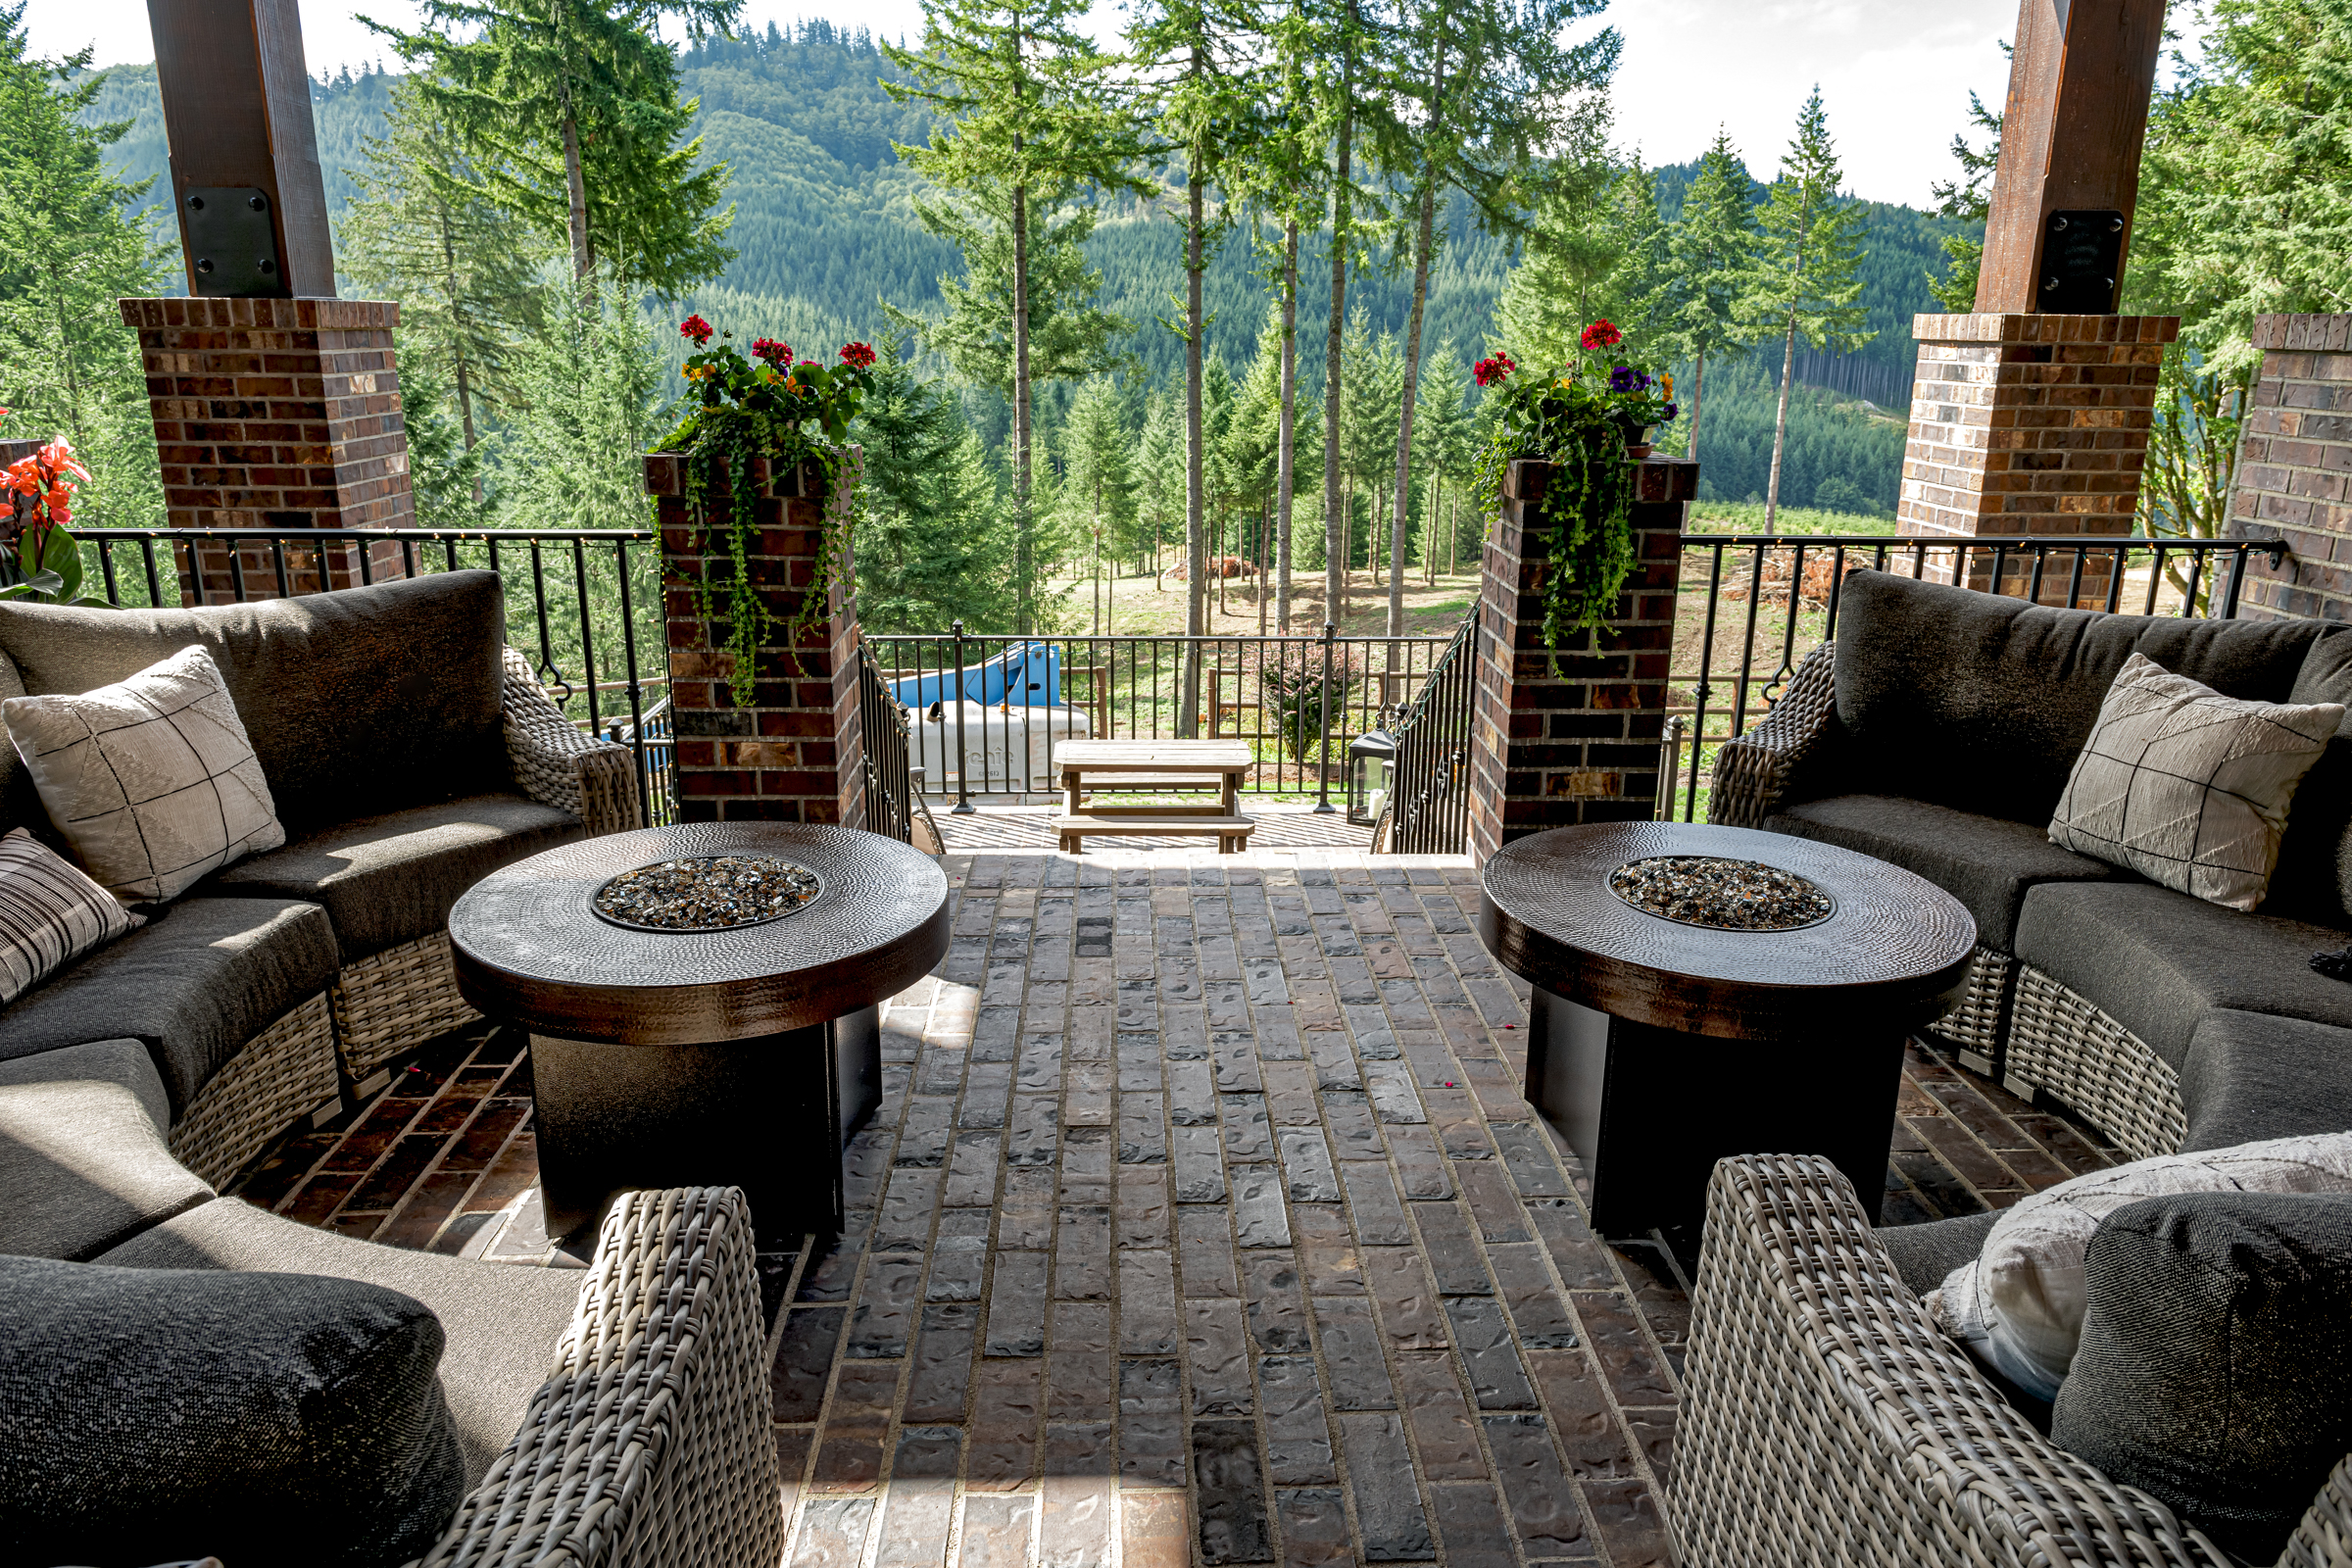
(1895, 77)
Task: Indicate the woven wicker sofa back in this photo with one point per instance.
(1980, 702)
(357, 701)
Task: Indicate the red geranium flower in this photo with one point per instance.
(1601, 334)
(857, 356)
(769, 350)
(1491, 370)
(695, 327)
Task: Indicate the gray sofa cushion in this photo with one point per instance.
(2215, 1371)
(195, 986)
(1981, 702)
(1924, 1254)
(360, 701)
(2251, 1077)
(502, 1321)
(264, 1418)
(83, 1165)
(2157, 961)
(390, 879)
(1986, 863)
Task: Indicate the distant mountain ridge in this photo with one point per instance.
(825, 228)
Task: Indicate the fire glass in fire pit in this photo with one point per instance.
(707, 892)
(1720, 893)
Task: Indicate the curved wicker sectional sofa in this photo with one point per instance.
(1827, 1418)
(617, 1418)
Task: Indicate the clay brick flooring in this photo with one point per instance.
(1202, 1221)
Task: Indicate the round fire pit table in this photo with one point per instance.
(741, 1055)
(1657, 1045)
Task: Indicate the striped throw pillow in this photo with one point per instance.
(50, 914)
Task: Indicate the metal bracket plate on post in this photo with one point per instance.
(2080, 249)
(233, 244)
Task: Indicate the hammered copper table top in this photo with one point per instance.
(528, 947)
(1896, 947)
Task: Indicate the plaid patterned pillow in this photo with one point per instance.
(50, 914)
(2187, 786)
(151, 780)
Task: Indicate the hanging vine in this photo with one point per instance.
(1583, 420)
(789, 415)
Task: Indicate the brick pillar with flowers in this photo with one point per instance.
(1573, 734)
(794, 751)
(276, 414)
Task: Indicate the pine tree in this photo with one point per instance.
(466, 272)
(67, 364)
(1159, 468)
(1285, 175)
(1711, 249)
(1444, 457)
(1356, 45)
(1969, 199)
(1026, 117)
(1598, 249)
(1198, 55)
(1801, 283)
(1481, 91)
(924, 559)
(1098, 489)
(570, 113)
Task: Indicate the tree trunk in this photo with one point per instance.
(1020, 403)
(575, 184)
(1334, 516)
(1261, 568)
(1780, 427)
(1284, 469)
(1400, 516)
(1698, 384)
(449, 286)
(1195, 533)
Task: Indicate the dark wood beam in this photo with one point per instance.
(238, 113)
(2078, 110)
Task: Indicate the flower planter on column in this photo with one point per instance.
(1572, 734)
(793, 753)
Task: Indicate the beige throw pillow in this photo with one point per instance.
(2187, 786)
(2019, 1303)
(50, 914)
(150, 780)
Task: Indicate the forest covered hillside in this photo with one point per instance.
(825, 231)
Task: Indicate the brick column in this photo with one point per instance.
(276, 414)
(1580, 742)
(2030, 424)
(797, 752)
(2294, 470)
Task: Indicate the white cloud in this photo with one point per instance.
(1895, 78)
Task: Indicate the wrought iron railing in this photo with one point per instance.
(1428, 811)
(1296, 700)
(889, 782)
(1753, 605)
(584, 604)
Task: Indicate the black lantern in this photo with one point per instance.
(1371, 756)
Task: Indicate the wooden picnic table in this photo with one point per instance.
(1093, 765)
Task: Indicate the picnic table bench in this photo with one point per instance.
(1090, 767)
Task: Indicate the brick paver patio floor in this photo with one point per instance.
(1202, 1222)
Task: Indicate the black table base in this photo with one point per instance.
(770, 1115)
(1650, 1110)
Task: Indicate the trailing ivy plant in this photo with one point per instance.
(789, 413)
(1581, 418)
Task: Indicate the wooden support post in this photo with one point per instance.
(2078, 85)
(236, 99)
